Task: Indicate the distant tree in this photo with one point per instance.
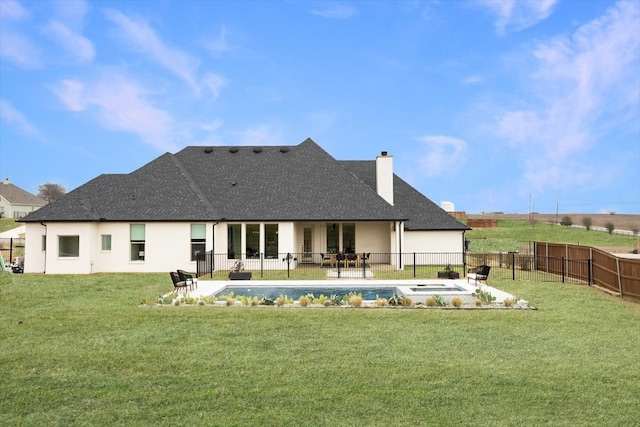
(635, 230)
(51, 192)
(566, 221)
(587, 222)
(610, 227)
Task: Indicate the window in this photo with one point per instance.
(68, 246)
(234, 240)
(333, 233)
(106, 242)
(137, 236)
(349, 238)
(198, 237)
(252, 246)
(271, 240)
(44, 243)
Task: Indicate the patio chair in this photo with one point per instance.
(325, 258)
(188, 278)
(480, 273)
(352, 259)
(177, 283)
(341, 259)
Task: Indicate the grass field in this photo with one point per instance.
(511, 234)
(80, 350)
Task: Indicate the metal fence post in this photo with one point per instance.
(513, 266)
(414, 265)
(562, 267)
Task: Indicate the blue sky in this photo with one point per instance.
(492, 105)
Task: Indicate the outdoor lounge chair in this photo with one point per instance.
(480, 273)
(188, 278)
(179, 284)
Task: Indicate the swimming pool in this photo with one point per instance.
(295, 292)
(417, 290)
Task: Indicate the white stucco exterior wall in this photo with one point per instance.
(450, 242)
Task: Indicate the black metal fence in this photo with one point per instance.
(11, 248)
(317, 266)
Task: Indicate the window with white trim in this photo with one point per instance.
(137, 238)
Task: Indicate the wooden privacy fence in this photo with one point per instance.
(615, 274)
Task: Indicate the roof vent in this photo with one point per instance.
(208, 150)
(233, 149)
(284, 149)
(384, 153)
(257, 149)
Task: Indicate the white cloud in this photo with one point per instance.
(72, 12)
(18, 49)
(120, 104)
(79, 46)
(16, 119)
(440, 152)
(336, 12)
(12, 10)
(140, 36)
(582, 83)
(517, 15)
(71, 94)
(214, 83)
(220, 43)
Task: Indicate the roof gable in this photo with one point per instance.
(15, 195)
(247, 183)
(423, 213)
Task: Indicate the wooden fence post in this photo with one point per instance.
(619, 278)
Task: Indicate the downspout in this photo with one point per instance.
(46, 243)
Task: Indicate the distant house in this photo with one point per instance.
(251, 203)
(16, 202)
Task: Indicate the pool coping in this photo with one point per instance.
(210, 287)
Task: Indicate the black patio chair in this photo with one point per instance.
(352, 259)
(480, 273)
(179, 284)
(189, 278)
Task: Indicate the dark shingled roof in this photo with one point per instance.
(242, 183)
(423, 214)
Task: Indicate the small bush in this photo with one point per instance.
(587, 222)
(231, 301)
(508, 302)
(610, 227)
(280, 301)
(304, 301)
(478, 303)
(355, 300)
(431, 302)
(456, 302)
(406, 302)
(566, 221)
(381, 302)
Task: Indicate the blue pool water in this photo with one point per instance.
(273, 292)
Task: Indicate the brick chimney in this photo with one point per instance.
(384, 176)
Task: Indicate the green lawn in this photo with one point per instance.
(80, 350)
(511, 235)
